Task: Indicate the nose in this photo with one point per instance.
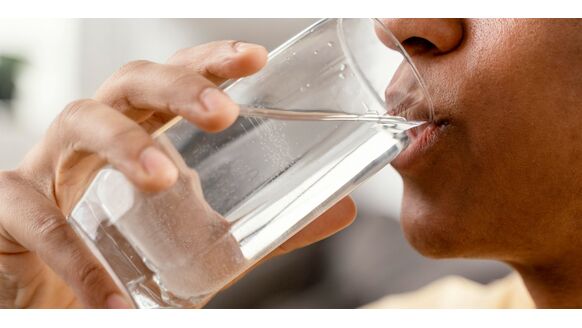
(426, 35)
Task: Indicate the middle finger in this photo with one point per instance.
(142, 88)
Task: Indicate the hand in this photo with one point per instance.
(42, 261)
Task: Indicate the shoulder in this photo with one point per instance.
(459, 292)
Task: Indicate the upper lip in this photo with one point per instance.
(412, 109)
(405, 97)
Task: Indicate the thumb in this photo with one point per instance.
(41, 228)
(338, 217)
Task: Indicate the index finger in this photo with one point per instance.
(222, 60)
(142, 88)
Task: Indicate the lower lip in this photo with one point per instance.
(422, 140)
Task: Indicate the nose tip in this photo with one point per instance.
(424, 35)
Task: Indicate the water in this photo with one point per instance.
(240, 194)
(395, 124)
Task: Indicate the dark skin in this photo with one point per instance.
(502, 179)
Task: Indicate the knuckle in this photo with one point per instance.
(114, 90)
(55, 234)
(179, 95)
(76, 106)
(222, 49)
(221, 44)
(4, 179)
(91, 276)
(196, 56)
(8, 178)
(21, 181)
(128, 142)
(10, 185)
(71, 112)
(181, 53)
(185, 80)
(126, 135)
(132, 67)
(10, 181)
(191, 84)
(68, 118)
(230, 43)
(51, 228)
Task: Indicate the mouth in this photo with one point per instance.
(406, 97)
(422, 140)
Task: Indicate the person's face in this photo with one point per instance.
(500, 175)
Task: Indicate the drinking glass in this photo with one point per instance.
(327, 112)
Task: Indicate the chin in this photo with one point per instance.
(434, 231)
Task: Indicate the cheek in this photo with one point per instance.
(505, 169)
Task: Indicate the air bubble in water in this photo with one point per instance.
(330, 44)
(341, 76)
(308, 85)
(294, 53)
(301, 89)
(342, 67)
(315, 52)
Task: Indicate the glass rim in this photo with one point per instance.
(400, 49)
(349, 56)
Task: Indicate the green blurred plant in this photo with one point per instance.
(9, 68)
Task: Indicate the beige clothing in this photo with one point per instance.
(458, 292)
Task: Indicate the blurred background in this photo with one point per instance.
(46, 63)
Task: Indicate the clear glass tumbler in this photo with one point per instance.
(318, 120)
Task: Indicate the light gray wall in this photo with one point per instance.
(109, 43)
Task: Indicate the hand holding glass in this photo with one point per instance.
(327, 112)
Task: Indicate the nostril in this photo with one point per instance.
(427, 35)
(416, 45)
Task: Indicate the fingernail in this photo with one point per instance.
(243, 46)
(116, 301)
(213, 99)
(154, 162)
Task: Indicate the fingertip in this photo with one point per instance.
(216, 122)
(160, 171)
(338, 217)
(351, 206)
(252, 56)
(219, 111)
(346, 211)
(248, 59)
